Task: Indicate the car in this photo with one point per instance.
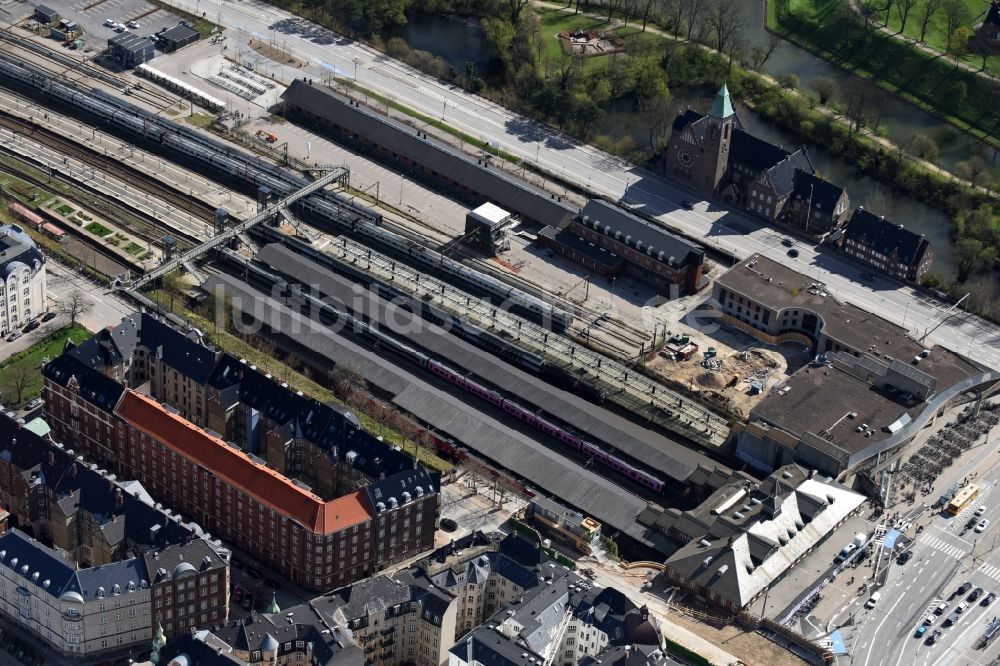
(133, 24)
(32, 325)
(873, 600)
(930, 619)
(109, 23)
(869, 277)
(941, 608)
(904, 557)
(48, 316)
(119, 28)
(964, 587)
(845, 553)
(787, 242)
(975, 594)
(988, 599)
(792, 253)
(983, 524)
(932, 639)
(921, 630)
(247, 601)
(33, 403)
(970, 523)
(962, 607)
(449, 524)
(687, 205)
(980, 510)
(238, 594)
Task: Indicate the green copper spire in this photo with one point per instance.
(722, 107)
(159, 640)
(273, 606)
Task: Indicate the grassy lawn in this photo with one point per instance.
(937, 30)
(963, 98)
(204, 27)
(25, 366)
(65, 210)
(134, 248)
(98, 229)
(200, 119)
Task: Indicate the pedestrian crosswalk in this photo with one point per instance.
(947, 548)
(991, 571)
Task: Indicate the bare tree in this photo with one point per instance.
(692, 13)
(613, 6)
(724, 21)
(674, 11)
(857, 98)
(514, 8)
(345, 380)
(657, 114)
(955, 15)
(18, 379)
(759, 55)
(647, 9)
(904, 7)
(75, 305)
(825, 87)
(869, 10)
(975, 170)
(928, 11)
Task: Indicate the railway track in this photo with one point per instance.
(112, 167)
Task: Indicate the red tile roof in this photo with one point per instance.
(255, 480)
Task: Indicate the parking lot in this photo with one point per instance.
(91, 14)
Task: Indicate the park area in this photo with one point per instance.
(934, 21)
(20, 375)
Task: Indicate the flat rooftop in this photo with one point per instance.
(821, 397)
(779, 287)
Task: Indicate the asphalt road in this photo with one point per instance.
(602, 173)
(943, 558)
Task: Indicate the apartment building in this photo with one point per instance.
(886, 247)
(85, 586)
(23, 284)
(349, 505)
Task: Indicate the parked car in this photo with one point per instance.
(48, 316)
(448, 525)
(109, 23)
(961, 607)
(983, 524)
(964, 587)
(133, 25)
(988, 599)
(32, 325)
(687, 205)
(921, 630)
(976, 593)
(247, 601)
(941, 608)
(932, 639)
(981, 510)
(793, 253)
(869, 277)
(238, 594)
(930, 619)
(872, 600)
(13, 336)
(787, 242)
(904, 557)
(33, 403)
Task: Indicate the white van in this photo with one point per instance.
(873, 600)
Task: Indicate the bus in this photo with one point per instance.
(963, 498)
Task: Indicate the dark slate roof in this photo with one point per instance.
(15, 545)
(492, 184)
(603, 258)
(782, 174)
(754, 153)
(825, 194)
(17, 249)
(181, 352)
(87, 487)
(358, 600)
(178, 33)
(95, 387)
(101, 580)
(403, 482)
(699, 124)
(993, 15)
(884, 236)
(196, 647)
(629, 655)
(683, 252)
(489, 648)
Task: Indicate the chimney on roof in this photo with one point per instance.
(119, 498)
(72, 470)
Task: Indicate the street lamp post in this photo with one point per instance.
(355, 68)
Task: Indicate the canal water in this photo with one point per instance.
(458, 40)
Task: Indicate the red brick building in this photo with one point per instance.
(377, 507)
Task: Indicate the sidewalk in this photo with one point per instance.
(930, 50)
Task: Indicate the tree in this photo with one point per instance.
(657, 115)
(514, 9)
(869, 10)
(928, 11)
(857, 99)
(345, 380)
(759, 55)
(692, 13)
(924, 147)
(904, 7)
(789, 81)
(955, 14)
(647, 8)
(173, 286)
(973, 257)
(724, 21)
(960, 42)
(983, 45)
(825, 87)
(18, 379)
(499, 35)
(975, 170)
(75, 305)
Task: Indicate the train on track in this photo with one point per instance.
(422, 360)
(250, 170)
